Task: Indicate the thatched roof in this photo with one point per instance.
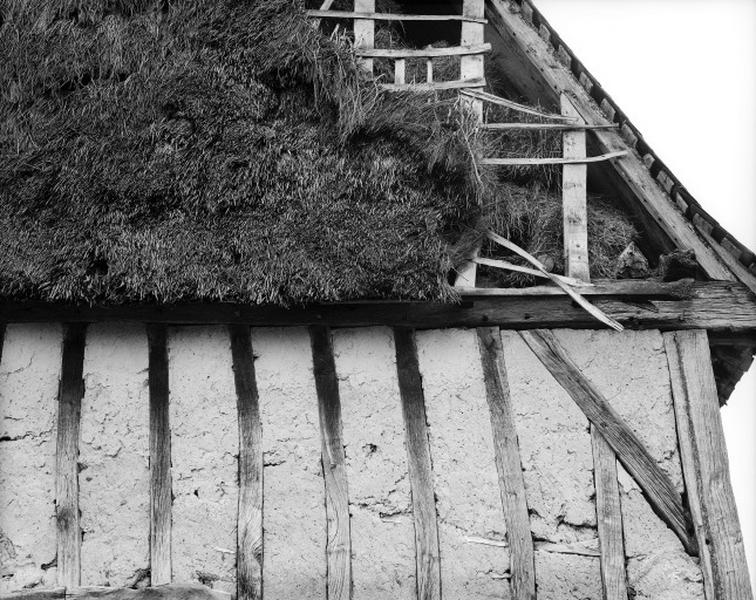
(209, 151)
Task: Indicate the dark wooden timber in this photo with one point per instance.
(35, 594)
(720, 307)
(70, 393)
(338, 531)
(420, 467)
(249, 524)
(655, 484)
(160, 457)
(609, 518)
(508, 465)
(162, 592)
(703, 455)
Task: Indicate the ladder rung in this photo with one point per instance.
(545, 126)
(344, 14)
(422, 53)
(436, 85)
(558, 160)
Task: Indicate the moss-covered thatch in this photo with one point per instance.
(207, 151)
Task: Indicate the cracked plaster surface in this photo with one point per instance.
(29, 374)
(295, 519)
(466, 481)
(114, 475)
(204, 449)
(383, 545)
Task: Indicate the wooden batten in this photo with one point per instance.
(249, 526)
(420, 469)
(655, 484)
(67, 515)
(508, 465)
(364, 31)
(160, 457)
(703, 455)
(338, 530)
(609, 519)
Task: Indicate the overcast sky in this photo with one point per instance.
(684, 71)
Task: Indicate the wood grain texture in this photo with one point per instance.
(554, 77)
(35, 594)
(249, 524)
(163, 592)
(160, 457)
(420, 467)
(703, 454)
(655, 484)
(723, 308)
(473, 34)
(364, 31)
(609, 519)
(427, 52)
(575, 198)
(67, 515)
(508, 464)
(338, 529)
(373, 16)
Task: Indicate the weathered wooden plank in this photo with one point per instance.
(339, 541)
(554, 78)
(249, 524)
(160, 457)
(575, 199)
(505, 162)
(67, 515)
(364, 31)
(657, 487)
(163, 592)
(400, 71)
(544, 126)
(703, 454)
(473, 34)
(419, 464)
(35, 594)
(508, 465)
(723, 308)
(428, 52)
(433, 85)
(374, 16)
(523, 108)
(609, 519)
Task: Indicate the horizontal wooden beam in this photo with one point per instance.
(557, 160)
(433, 86)
(543, 126)
(723, 308)
(373, 16)
(428, 52)
(161, 592)
(641, 288)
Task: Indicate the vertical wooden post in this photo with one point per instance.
(249, 524)
(338, 530)
(420, 467)
(703, 454)
(160, 457)
(400, 71)
(574, 197)
(364, 31)
(508, 465)
(473, 34)
(70, 393)
(575, 217)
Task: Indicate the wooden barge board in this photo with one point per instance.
(723, 308)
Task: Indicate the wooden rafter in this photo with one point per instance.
(374, 16)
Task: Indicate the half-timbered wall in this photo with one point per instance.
(427, 438)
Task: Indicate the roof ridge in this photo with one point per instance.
(707, 226)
